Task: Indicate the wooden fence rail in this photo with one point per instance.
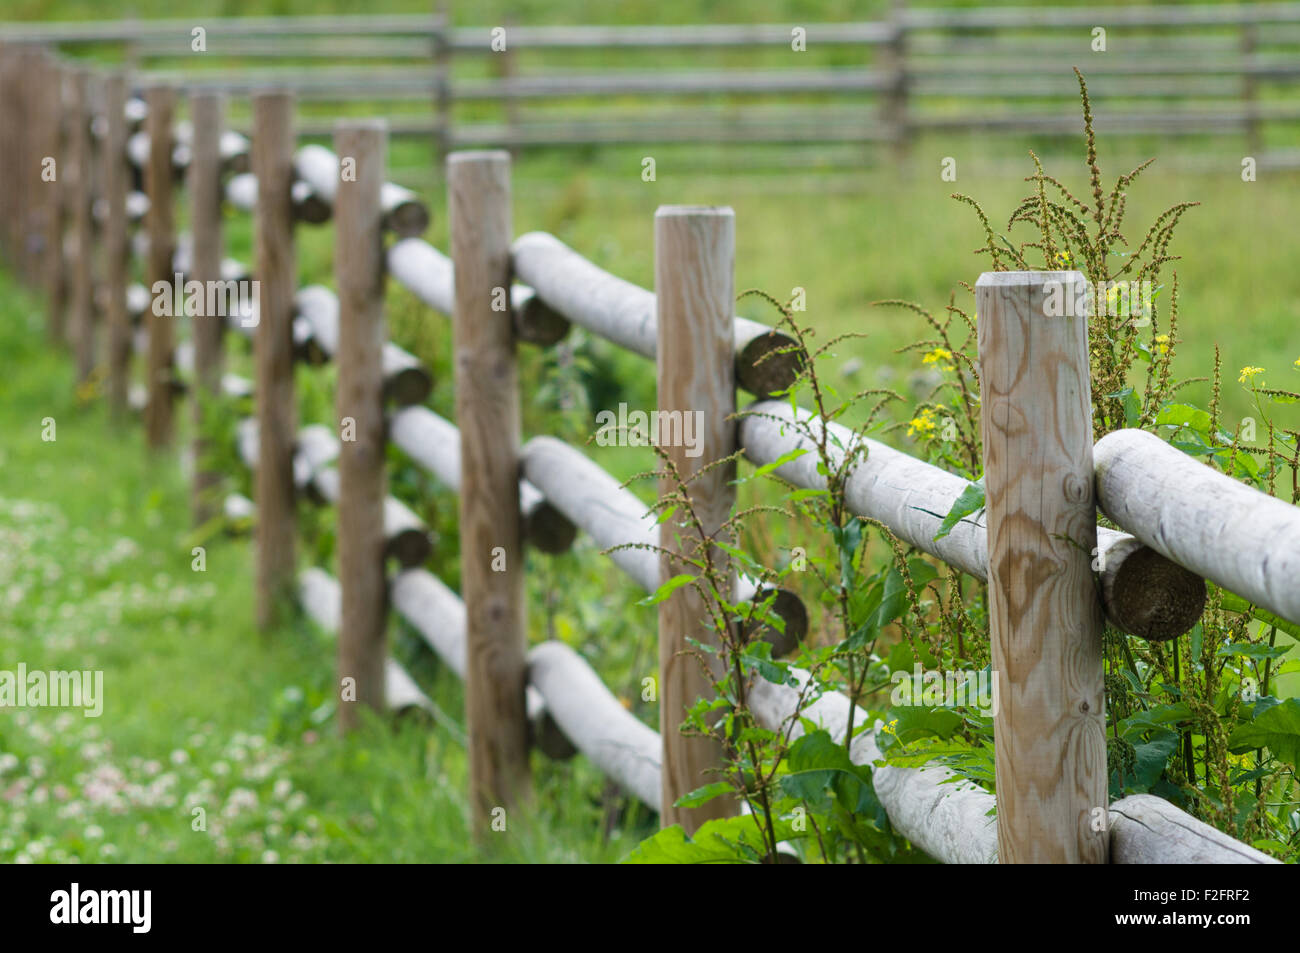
(1238, 57)
(1051, 781)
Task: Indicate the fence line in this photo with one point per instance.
(920, 60)
(686, 325)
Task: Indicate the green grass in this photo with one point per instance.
(200, 711)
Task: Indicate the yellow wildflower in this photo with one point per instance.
(889, 728)
(1162, 343)
(1063, 259)
(938, 355)
(922, 425)
(1248, 374)
(1297, 363)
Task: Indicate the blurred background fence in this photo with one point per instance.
(1189, 71)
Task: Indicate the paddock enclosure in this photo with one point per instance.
(124, 163)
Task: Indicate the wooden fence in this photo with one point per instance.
(1202, 70)
(1182, 522)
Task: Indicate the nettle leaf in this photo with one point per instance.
(818, 767)
(970, 501)
(1277, 729)
(732, 840)
(1155, 718)
(1152, 756)
(704, 795)
(919, 721)
(1251, 650)
(757, 657)
(1184, 415)
(778, 463)
(667, 589)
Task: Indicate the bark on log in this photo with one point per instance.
(624, 748)
(625, 314)
(404, 213)
(427, 273)
(612, 516)
(322, 598)
(434, 443)
(406, 380)
(1145, 829)
(1236, 536)
(912, 497)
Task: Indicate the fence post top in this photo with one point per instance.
(1020, 279)
(372, 125)
(694, 211)
(478, 155)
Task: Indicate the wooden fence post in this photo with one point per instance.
(160, 379)
(56, 284)
(1044, 611)
(359, 274)
(487, 409)
(203, 182)
(273, 143)
(893, 103)
(695, 304)
(118, 343)
(83, 298)
(9, 149)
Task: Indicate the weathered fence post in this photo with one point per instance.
(487, 409)
(893, 100)
(10, 148)
(695, 303)
(83, 299)
(273, 143)
(203, 182)
(160, 379)
(1044, 611)
(118, 339)
(359, 274)
(56, 285)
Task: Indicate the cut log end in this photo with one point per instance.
(411, 385)
(538, 323)
(763, 372)
(410, 547)
(548, 530)
(408, 219)
(1149, 596)
(545, 735)
(790, 608)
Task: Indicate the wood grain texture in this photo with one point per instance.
(694, 302)
(83, 290)
(359, 274)
(203, 183)
(117, 321)
(277, 415)
(487, 410)
(1044, 613)
(161, 225)
(1236, 536)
